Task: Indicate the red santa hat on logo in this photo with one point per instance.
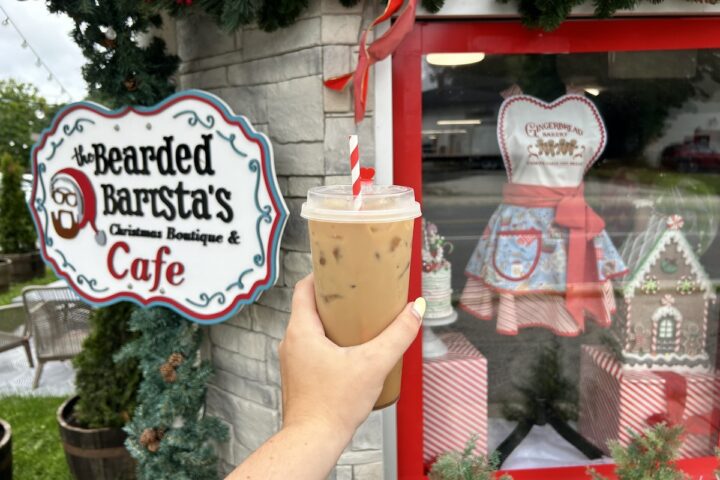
(89, 201)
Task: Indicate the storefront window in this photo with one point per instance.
(524, 331)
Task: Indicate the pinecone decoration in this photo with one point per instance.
(131, 84)
(176, 359)
(108, 43)
(148, 436)
(167, 371)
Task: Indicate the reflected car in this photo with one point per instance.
(696, 155)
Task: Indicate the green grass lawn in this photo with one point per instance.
(15, 290)
(37, 450)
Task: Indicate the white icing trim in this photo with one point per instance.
(667, 310)
(688, 255)
(672, 361)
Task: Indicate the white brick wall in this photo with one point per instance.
(275, 79)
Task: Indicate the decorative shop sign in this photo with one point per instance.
(175, 205)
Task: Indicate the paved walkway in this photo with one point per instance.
(16, 376)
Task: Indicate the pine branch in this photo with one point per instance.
(649, 455)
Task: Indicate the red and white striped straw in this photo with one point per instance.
(354, 165)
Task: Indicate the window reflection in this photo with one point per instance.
(661, 111)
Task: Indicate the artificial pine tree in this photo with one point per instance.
(548, 398)
(106, 389)
(648, 456)
(168, 435)
(17, 234)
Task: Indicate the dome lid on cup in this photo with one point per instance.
(378, 203)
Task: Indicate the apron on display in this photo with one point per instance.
(545, 260)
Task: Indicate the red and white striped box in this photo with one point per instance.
(454, 398)
(615, 402)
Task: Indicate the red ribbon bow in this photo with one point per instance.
(676, 398)
(380, 49)
(584, 291)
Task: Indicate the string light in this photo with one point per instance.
(7, 21)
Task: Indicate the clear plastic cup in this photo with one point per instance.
(361, 260)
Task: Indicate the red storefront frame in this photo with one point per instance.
(508, 37)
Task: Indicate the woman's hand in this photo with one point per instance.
(327, 391)
(334, 388)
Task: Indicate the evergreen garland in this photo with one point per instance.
(268, 14)
(231, 15)
(273, 14)
(168, 436)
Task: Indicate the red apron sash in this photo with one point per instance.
(583, 287)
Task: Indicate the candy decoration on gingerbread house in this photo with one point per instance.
(545, 259)
(666, 299)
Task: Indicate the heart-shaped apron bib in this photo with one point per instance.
(545, 253)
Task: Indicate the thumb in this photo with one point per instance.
(388, 347)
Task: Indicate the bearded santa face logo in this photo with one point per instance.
(75, 204)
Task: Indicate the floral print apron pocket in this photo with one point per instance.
(517, 253)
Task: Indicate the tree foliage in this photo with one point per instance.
(127, 65)
(466, 465)
(107, 389)
(22, 112)
(545, 386)
(649, 455)
(17, 234)
(167, 435)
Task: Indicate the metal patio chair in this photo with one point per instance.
(59, 320)
(15, 314)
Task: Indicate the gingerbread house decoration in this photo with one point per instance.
(666, 300)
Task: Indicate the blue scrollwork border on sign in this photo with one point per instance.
(65, 262)
(91, 282)
(40, 205)
(194, 119)
(205, 299)
(231, 140)
(264, 211)
(239, 284)
(77, 127)
(54, 146)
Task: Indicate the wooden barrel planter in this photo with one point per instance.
(94, 454)
(5, 271)
(25, 266)
(5, 450)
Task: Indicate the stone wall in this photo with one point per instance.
(275, 80)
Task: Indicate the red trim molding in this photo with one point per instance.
(506, 37)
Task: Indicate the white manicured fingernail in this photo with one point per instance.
(418, 308)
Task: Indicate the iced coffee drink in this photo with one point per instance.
(361, 260)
